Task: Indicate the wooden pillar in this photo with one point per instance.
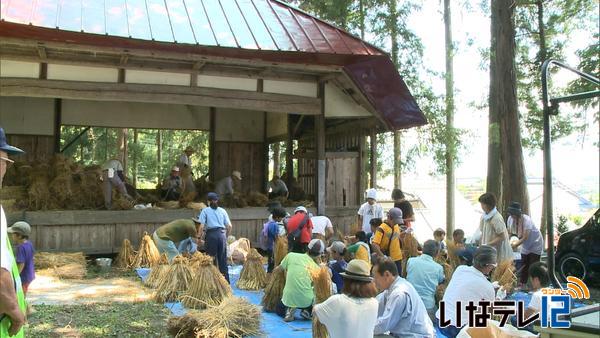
(265, 176)
(57, 122)
(159, 155)
(211, 144)
(320, 152)
(373, 162)
(289, 152)
(363, 169)
(134, 170)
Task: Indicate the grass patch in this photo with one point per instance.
(142, 319)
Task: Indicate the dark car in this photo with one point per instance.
(578, 251)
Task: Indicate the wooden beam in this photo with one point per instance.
(373, 162)
(211, 144)
(43, 71)
(57, 123)
(200, 96)
(259, 89)
(320, 152)
(289, 153)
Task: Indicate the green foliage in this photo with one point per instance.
(561, 224)
(560, 20)
(99, 144)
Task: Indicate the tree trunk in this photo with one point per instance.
(393, 29)
(122, 147)
(504, 105)
(450, 140)
(361, 9)
(499, 40)
(276, 159)
(542, 54)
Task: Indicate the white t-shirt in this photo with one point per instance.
(6, 260)
(369, 212)
(184, 160)
(112, 164)
(348, 317)
(535, 242)
(467, 284)
(320, 223)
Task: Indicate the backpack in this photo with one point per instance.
(263, 238)
(294, 236)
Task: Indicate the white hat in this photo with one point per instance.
(316, 247)
(372, 193)
(175, 168)
(300, 209)
(237, 174)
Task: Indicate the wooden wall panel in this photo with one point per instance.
(247, 158)
(36, 147)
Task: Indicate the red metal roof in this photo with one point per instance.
(249, 24)
(256, 29)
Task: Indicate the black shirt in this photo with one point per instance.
(406, 207)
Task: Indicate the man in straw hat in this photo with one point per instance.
(468, 284)
(184, 161)
(225, 185)
(401, 311)
(356, 304)
(12, 297)
(216, 224)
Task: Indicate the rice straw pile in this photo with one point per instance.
(147, 255)
(208, 286)
(174, 281)
(253, 275)
(256, 199)
(68, 271)
(126, 255)
(158, 272)
(322, 286)
(504, 274)
(410, 246)
(452, 253)
(45, 260)
(274, 290)
(281, 249)
(234, 317)
(168, 204)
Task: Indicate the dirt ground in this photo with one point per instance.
(101, 305)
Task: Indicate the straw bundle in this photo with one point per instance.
(452, 253)
(410, 246)
(126, 255)
(44, 260)
(196, 206)
(281, 249)
(208, 287)
(61, 189)
(256, 199)
(174, 281)
(322, 286)
(168, 204)
(253, 275)
(274, 290)
(504, 274)
(147, 255)
(234, 317)
(158, 272)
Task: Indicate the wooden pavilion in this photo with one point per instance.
(250, 72)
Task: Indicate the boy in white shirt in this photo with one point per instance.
(369, 210)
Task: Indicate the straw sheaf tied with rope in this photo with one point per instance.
(281, 249)
(322, 287)
(126, 255)
(158, 272)
(147, 254)
(253, 275)
(208, 287)
(504, 274)
(274, 290)
(174, 281)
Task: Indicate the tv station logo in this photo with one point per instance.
(555, 303)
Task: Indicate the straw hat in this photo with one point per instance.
(189, 149)
(358, 270)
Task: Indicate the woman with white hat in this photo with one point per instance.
(353, 313)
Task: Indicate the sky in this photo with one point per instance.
(575, 163)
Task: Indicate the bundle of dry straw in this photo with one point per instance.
(126, 255)
(504, 274)
(68, 271)
(253, 275)
(322, 286)
(174, 281)
(158, 272)
(256, 199)
(274, 290)
(234, 317)
(45, 260)
(281, 249)
(208, 287)
(147, 255)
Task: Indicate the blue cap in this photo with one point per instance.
(466, 254)
(4, 146)
(212, 196)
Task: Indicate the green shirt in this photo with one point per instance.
(298, 290)
(177, 230)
